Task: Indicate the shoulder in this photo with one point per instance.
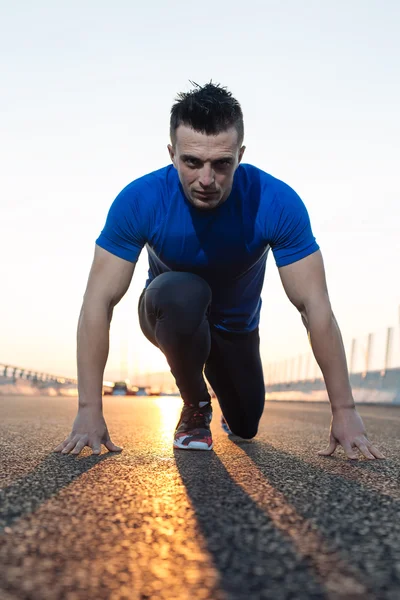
(142, 198)
(269, 186)
(281, 212)
(273, 195)
(153, 183)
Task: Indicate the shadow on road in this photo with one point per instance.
(361, 524)
(247, 549)
(55, 472)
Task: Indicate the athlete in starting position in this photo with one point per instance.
(208, 222)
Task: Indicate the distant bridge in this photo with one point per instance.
(12, 373)
(373, 364)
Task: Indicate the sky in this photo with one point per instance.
(87, 89)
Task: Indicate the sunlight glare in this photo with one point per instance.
(169, 409)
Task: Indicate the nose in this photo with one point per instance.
(206, 176)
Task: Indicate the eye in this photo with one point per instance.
(223, 163)
(193, 163)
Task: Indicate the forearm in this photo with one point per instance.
(327, 345)
(92, 353)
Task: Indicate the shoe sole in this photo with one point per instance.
(193, 446)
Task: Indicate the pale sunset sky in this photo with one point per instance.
(86, 92)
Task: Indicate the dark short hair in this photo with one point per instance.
(208, 109)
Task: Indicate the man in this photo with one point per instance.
(208, 223)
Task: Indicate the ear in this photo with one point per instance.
(171, 154)
(241, 152)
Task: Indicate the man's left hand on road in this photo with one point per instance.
(348, 431)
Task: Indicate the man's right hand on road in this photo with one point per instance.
(89, 429)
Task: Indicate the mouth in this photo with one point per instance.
(205, 194)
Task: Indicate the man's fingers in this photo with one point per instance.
(377, 453)
(330, 449)
(96, 447)
(350, 451)
(69, 446)
(62, 445)
(77, 443)
(79, 446)
(112, 447)
(363, 448)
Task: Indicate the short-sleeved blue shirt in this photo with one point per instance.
(226, 246)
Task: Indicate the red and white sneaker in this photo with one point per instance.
(193, 429)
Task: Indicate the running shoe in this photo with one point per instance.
(225, 426)
(193, 429)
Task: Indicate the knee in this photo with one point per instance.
(183, 294)
(245, 431)
(179, 301)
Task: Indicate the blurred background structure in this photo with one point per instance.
(373, 362)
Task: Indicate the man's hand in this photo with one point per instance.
(347, 429)
(89, 429)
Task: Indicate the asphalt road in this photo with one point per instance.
(261, 519)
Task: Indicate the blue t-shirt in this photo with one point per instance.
(226, 246)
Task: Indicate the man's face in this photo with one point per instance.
(206, 165)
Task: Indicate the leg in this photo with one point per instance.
(173, 316)
(235, 373)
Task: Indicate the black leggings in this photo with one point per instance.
(173, 315)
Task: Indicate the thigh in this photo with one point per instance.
(235, 373)
(181, 300)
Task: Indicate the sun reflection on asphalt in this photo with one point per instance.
(169, 408)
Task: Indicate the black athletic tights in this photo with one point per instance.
(173, 315)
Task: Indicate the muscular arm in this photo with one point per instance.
(109, 279)
(305, 285)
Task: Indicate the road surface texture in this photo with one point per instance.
(265, 518)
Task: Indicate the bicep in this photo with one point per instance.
(304, 281)
(109, 277)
